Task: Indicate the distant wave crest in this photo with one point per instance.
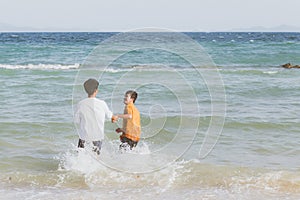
(40, 66)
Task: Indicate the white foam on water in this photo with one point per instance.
(181, 180)
(40, 66)
(270, 72)
(98, 175)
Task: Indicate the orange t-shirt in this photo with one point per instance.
(132, 126)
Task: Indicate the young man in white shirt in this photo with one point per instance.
(90, 116)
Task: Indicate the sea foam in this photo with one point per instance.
(40, 66)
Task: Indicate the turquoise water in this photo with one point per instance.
(255, 157)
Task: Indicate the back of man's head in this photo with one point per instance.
(90, 86)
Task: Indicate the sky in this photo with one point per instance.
(126, 15)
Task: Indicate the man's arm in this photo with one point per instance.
(109, 114)
(124, 116)
(76, 117)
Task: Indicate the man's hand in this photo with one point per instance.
(114, 118)
(119, 130)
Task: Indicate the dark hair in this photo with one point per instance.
(91, 86)
(133, 94)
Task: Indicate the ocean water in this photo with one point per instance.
(223, 126)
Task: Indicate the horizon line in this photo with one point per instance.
(181, 31)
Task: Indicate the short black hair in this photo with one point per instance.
(133, 94)
(90, 86)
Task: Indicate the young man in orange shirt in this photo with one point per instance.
(131, 130)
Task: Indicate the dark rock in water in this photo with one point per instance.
(289, 66)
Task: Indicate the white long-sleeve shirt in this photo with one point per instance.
(90, 117)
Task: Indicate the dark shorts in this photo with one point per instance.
(126, 141)
(96, 147)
